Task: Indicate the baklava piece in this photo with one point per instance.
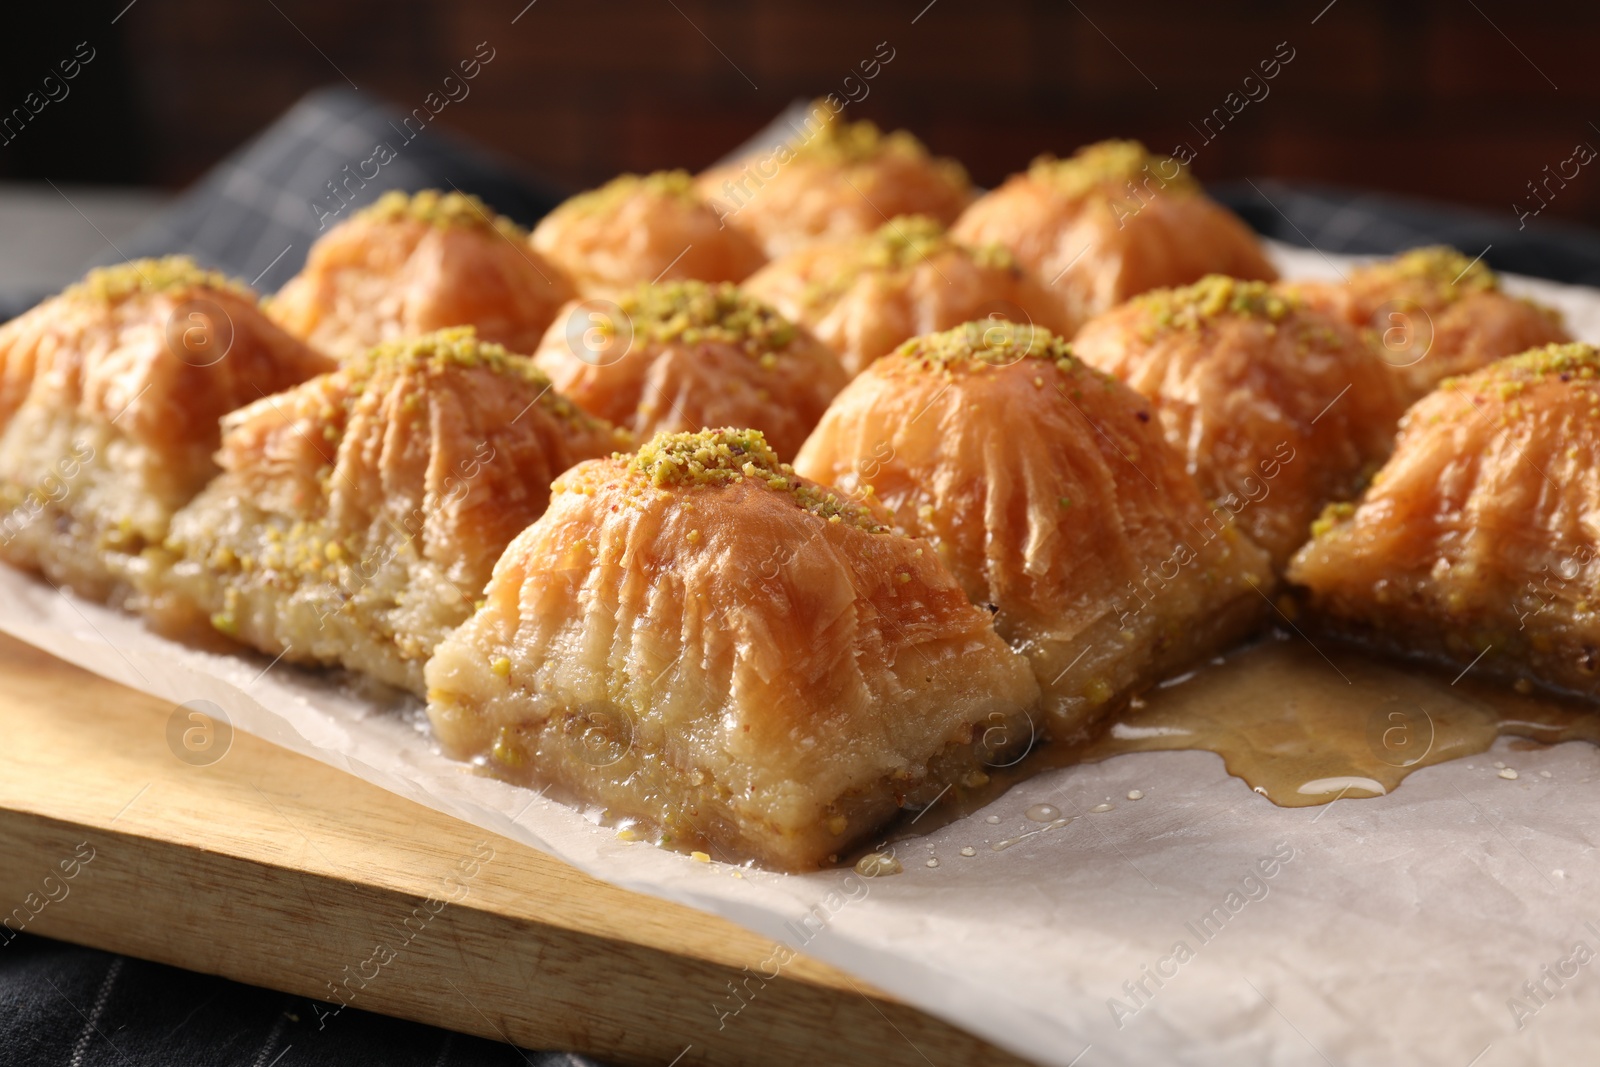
(864, 296)
(1479, 542)
(359, 515)
(1047, 488)
(1113, 221)
(834, 179)
(643, 229)
(1277, 409)
(686, 356)
(109, 399)
(697, 640)
(409, 265)
(1432, 314)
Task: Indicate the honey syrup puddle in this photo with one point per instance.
(1302, 729)
(1303, 725)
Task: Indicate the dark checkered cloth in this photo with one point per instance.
(254, 216)
(257, 212)
(63, 1005)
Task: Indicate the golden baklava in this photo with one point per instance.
(1432, 313)
(1277, 408)
(408, 265)
(359, 515)
(703, 643)
(651, 228)
(1047, 488)
(864, 296)
(834, 179)
(687, 356)
(1113, 221)
(1479, 542)
(109, 399)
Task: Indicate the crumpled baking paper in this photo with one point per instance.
(1455, 921)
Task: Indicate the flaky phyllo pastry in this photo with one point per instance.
(109, 399)
(359, 515)
(1113, 221)
(1433, 313)
(643, 229)
(411, 264)
(864, 296)
(1277, 408)
(684, 356)
(1047, 488)
(834, 179)
(1481, 536)
(695, 638)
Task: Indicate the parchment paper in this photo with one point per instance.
(1382, 931)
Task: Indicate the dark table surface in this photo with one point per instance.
(254, 216)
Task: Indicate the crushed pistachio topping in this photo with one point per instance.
(677, 184)
(836, 142)
(1111, 164)
(1332, 515)
(726, 456)
(459, 347)
(1438, 265)
(1213, 296)
(108, 284)
(987, 341)
(897, 246)
(441, 209)
(1568, 362)
(692, 312)
(911, 239)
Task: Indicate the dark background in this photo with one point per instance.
(1429, 98)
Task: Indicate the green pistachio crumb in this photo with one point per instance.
(441, 209)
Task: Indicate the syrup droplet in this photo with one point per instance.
(992, 819)
(1001, 846)
(1545, 774)
(1508, 772)
(933, 861)
(968, 850)
(1098, 808)
(878, 865)
(1043, 813)
(1135, 794)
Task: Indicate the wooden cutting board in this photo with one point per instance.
(270, 868)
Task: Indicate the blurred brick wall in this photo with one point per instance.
(1426, 98)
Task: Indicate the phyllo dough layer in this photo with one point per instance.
(686, 356)
(358, 516)
(1432, 313)
(411, 264)
(109, 399)
(1048, 490)
(834, 179)
(643, 229)
(695, 638)
(1277, 408)
(1481, 536)
(864, 296)
(1113, 221)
